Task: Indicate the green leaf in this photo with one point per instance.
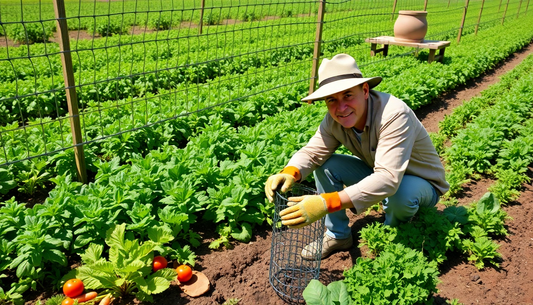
(339, 293)
(82, 240)
(162, 234)
(115, 236)
(316, 293)
(245, 234)
(488, 204)
(456, 214)
(54, 255)
(92, 254)
(24, 269)
(97, 280)
(131, 267)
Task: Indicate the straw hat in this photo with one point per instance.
(339, 74)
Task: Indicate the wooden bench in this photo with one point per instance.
(432, 45)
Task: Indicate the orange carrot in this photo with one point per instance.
(106, 300)
(87, 297)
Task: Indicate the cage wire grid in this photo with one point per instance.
(289, 273)
(142, 66)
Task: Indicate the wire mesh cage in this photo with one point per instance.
(289, 273)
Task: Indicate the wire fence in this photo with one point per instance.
(90, 78)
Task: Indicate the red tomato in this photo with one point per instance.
(67, 301)
(73, 288)
(184, 273)
(159, 263)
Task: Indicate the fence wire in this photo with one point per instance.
(150, 73)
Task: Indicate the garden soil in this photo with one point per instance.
(241, 273)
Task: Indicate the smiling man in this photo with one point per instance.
(393, 161)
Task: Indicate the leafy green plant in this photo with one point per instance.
(128, 270)
(29, 33)
(317, 293)
(161, 23)
(488, 215)
(211, 19)
(377, 236)
(250, 16)
(399, 275)
(457, 176)
(431, 231)
(32, 176)
(12, 296)
(36, 247)
(109, 29)
(7, 181)
(506, 188)
(482, 250)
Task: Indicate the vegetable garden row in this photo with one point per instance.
(162, 182)
(116, 17)
(132, 68)
(111, 115)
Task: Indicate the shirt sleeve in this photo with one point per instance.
(395, 143)
(321, 146)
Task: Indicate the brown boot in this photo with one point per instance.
(329, 245)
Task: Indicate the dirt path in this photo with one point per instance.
(242, 272)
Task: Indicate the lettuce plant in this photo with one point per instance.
(399, 275)
(128, 269)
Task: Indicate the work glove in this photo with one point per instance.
(288, 176)
(305, 210)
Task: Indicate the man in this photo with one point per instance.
(394, 158)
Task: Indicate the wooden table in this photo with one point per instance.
(432, 45)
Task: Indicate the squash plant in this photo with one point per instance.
(128, 269)
(335, 293)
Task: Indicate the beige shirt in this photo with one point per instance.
(393, 143)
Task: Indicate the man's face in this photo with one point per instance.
(349, 107)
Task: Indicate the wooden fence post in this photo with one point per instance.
(393, 9)
(505, 12)
(462, 22)
(479, 17)
(425, 5)
(200, 26)
(519, 6)
(70, 87)
(318, 43)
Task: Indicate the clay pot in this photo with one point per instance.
(411, 26)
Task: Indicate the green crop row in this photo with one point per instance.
(475, 150)
(400, 75)
(464, 113)
(131, 66)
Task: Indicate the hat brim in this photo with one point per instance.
(341, 85)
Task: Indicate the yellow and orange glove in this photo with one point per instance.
(288, 176)
(305, 210)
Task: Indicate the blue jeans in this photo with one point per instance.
(343, 170)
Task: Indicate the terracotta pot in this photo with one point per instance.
(411, 26)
